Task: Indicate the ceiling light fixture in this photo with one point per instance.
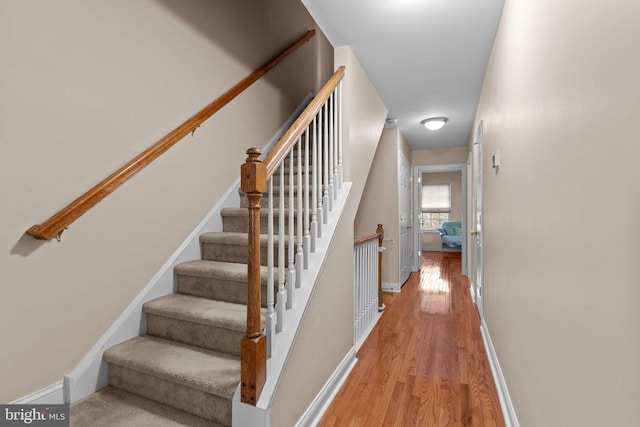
(434, 123)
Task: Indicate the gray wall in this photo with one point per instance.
(85, 87)
(560, 104)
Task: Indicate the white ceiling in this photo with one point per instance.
(426, 58)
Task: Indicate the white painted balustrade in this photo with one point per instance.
(367, 305)
(300, 195)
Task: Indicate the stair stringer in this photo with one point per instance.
(91, 373)
(260, 415)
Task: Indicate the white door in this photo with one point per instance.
(469, 220)
(404, 196)
(476, 232)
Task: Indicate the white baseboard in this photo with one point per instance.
(320, 404)
(91, 373)
(51, 395)
(508, 410)
(440, 249)
(391, 287)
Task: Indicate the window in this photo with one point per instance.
(431, 221)
(436, 206)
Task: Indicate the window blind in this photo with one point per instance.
(436, 198)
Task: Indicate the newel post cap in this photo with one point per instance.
(253, 173)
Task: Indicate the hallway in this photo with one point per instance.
(424, 364)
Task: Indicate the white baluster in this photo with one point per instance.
(355, 293)
(306, 238)
(326, 200)
(322, 218)
(282, 293)
(291, 247)
(299, 254)
(360, 293)
(271, 315)
(315, 232)
(340, 168)
(359, 270)
(332, 152)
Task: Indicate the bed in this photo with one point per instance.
(451, 234)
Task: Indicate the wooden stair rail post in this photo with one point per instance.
(380, 233)
(253, 373)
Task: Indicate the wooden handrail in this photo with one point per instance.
(54, 226)
(364, 239)
(254, 174)
(284, 145)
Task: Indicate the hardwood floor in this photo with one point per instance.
(424, 364)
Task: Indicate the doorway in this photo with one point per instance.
(417, 235)
(404, 194)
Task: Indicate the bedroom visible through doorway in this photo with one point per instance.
(441, 209)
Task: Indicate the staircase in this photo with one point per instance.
(186, 368)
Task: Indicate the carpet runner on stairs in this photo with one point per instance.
(186, 368)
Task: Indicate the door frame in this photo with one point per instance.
(477, 216)
(469, 217)
(417, 182)
(410, 221)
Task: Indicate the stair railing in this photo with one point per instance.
(367, 257)
(55, 225)
(304, 170)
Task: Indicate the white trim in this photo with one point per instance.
(244, 415)
(472, 291)
(391, 287)
(440, 249)
(508, 410)
(91, 373)
(366, 333)
(320, 404)
(51, 395)
(403, 161)
(417, 182)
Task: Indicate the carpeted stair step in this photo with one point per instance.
(191, 379)
(223, 281)
(232, 247)
(236, 220)
(112, 407)
(200, 322)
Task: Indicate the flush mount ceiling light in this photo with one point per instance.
(434, 123)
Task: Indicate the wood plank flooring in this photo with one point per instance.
(424, 364)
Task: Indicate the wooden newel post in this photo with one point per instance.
(380, 233)
(253, 347)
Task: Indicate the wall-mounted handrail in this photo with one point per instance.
(54, 226)
(313, 144)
